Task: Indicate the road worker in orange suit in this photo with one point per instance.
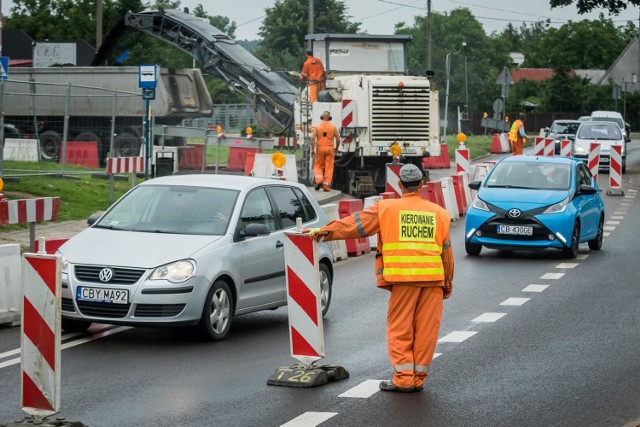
(414, 260)
(517, 135)
(323, 137)
(313, 74)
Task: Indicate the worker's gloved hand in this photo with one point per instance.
(315, 233)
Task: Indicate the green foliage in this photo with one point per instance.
(285, 26)
(584, 6)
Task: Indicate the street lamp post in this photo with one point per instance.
(446, 98)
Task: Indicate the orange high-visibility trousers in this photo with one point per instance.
(517, 147)
(323, 167)
(413, 322)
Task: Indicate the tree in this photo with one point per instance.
(285, 26)
(584, 6)
(220, 22)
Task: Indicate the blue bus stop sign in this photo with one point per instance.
(147, 76)
(4, 67)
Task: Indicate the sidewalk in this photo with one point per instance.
(66, 229)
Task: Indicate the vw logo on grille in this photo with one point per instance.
(513, 213)
(105, 275)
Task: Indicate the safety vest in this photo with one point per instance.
(326, 132)
(412, 234)
(515, 128)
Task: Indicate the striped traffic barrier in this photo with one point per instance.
(450, 202)
(481, 172)
(361, 245)
(125, 165)
(306, 334)
(504, 143)
(615, 171)
(462, 160)
(368, 202)
(565, 148)
(392, 178)
(593, 161)
(41, 335)
(10, 280)
(538, 148)
(29, 211)
(549, 147)
(458, 186)
(338, 247)
(467, 191)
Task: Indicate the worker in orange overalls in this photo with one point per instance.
(322, 140)
(313, 73)
(414, 260)
(517, 135)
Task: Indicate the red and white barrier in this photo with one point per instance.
(481, 172)
(593, 161)
(348, 113)
(338, 247)
(10, 280)
(41, 334)
(29, 210)
(368, 202)
(549, 147)
(565, 148)
(392, 178)
(615, 169)
(125, 164)
(303, 296)
(450, 202)
(462, 160)
(538, 148)
(504, 143)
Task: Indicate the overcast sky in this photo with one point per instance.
(380, 16)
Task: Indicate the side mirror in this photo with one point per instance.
(253, 230)
(587, 189)
(93, 218)
(475, 185)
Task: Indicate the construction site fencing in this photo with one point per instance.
(234, 118)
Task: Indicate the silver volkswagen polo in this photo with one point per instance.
(188, 250)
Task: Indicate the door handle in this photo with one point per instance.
(279, 244)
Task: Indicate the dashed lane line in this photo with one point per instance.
(363, 390)
(457, 336)
(612, 222)
(582, 257)
(552, 276)
(609, 228)
(514, 301)
(567, 265)
(606, 233)
(489, 317)
(535, 288)
(617, 218)
(310, 419)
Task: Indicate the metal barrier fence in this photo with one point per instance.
(234, 118)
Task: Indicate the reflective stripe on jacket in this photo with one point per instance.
(515, 128)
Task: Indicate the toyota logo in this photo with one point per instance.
(513, 213)
(105, 275)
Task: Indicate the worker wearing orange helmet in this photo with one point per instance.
(323, 136)
(313, 74)
(414, 260)
(517, 135)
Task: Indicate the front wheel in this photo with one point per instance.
(472, 249)
(572, 250)
(50, 143)
(216, 314)
(325, 288)
(596, 243)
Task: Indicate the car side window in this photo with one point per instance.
(308, 207)
(257, 210)
(584, 176)
(288, 204)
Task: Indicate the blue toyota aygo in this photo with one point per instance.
(532, 203)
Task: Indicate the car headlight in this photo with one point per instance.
(479, 204)
(178, 271)
(558, 207)
(579, 149)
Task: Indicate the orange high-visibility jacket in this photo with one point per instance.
(312, 69)
(414, 246)
(515, 129)
(326, 132)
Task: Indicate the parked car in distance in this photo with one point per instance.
(584, 118)
(562, 130)
(535, 203)
(604, 132)
(188, 250)
(615, 117)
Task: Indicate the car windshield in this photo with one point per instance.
(603, 131)
(172, 209)
(615, 120)
(564, 128)
(530, 175)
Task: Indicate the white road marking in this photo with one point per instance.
(632, 190)
(625, 204)
(609, 228)
(457, 336)
(514, 301)
(606, 233)
(363, 390)
(9, 353)
(618, 218)
(10, 362)
(489, 317)
(630, 197)
(582, 257)
(552, 276)
(436, 355)
(535, 288)
(612, 222)
(620, 212)
(310, 419)
(567, 265)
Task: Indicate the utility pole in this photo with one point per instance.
(428, 35)
(310, 30)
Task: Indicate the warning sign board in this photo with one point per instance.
(4, 67)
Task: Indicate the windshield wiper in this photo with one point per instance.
(108, 227)
(510, 186)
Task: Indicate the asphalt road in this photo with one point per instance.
(563, 353)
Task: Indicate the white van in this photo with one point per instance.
(612, 116)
